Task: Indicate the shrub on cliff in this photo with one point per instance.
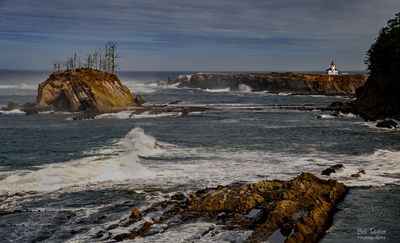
(384, 55)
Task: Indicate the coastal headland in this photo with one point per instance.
(294, 83)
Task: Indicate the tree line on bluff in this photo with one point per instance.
(103, 59)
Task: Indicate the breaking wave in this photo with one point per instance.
(12, 112)
(123, 164)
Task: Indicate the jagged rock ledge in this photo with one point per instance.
(294, 83)
(298, 210)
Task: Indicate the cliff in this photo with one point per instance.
(295, 83)
(83, 90)
(377, 99)
(298, 210)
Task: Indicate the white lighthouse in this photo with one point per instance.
(332, 70)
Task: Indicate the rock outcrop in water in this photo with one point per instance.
(295, 83)
(296, 211)
(84, 90)
(379, 98)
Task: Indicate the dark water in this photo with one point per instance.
(64, 180)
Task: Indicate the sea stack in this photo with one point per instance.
(85, 90)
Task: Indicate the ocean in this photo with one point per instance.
(64, 180)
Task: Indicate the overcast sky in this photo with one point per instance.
(197, 35)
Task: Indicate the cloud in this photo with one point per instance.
(291, 25)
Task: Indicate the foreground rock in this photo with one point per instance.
(295, 83)
(84, 90)
(298, 210)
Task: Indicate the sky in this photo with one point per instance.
(194, 35)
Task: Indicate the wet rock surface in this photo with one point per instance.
(387, 124)
(84, 90)
(332, 169)
(298, 210)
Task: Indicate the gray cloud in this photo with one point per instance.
(292, 26)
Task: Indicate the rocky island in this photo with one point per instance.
(92, 92)
(294, 83)
(297, 210)
(84, 90)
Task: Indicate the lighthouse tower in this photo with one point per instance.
(332, 70)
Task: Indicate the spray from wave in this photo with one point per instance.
(123, 164)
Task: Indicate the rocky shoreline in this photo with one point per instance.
(294, 83)
(89, 93)
(298, 210)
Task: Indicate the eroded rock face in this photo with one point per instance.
(295, 83)
(83, 90)
(298, 209)
(379, 98)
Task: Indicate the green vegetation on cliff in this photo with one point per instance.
(384, 55)
(379, 98)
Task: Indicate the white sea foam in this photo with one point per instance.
(170, 165)
(348, 115)
(244, 88)
(372, 125)
(188, 77)
(66, 113)
(284, 93)
(123, 166)
(193, 232)
(18, 86)
(326, 116)
(211, 167)
(132, 115)
(217, 90)
(12, 112)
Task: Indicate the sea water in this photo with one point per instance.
(64, 181)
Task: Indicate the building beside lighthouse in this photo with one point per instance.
(332, 69)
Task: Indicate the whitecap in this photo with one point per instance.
(326, 116)
(18, 86)
(124, 165)
(133, 115)
(12, 112)
(244, 88)
(217, 90)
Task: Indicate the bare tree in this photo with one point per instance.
(74, 63)
(114, 56)
(105, 60)
(95, 61)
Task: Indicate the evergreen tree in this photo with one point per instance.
(383, 58)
